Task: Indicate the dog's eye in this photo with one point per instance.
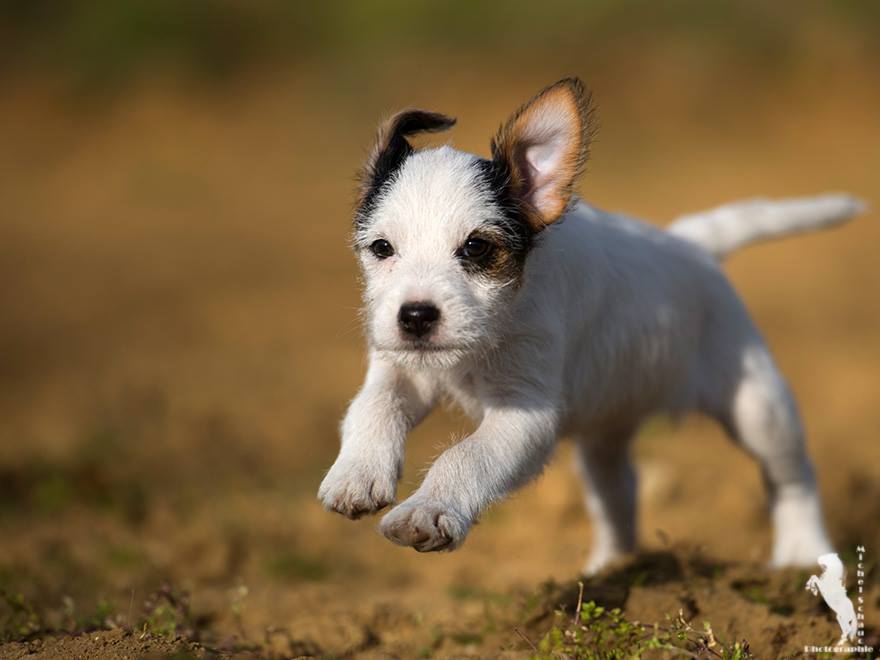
(382, 249)
(475, 248)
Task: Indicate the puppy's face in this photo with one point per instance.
(442, 257)
(443, 236)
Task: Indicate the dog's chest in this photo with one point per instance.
(462, 389)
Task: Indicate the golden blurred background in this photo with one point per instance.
(179, 333)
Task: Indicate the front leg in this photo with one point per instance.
(363, 479)
(510, 447)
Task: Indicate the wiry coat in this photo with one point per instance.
(573, 321)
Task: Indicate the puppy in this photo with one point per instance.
(486, 282)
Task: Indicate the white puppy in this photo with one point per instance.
(544, 317)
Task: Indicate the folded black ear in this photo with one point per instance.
(392, 148)
(544, 147)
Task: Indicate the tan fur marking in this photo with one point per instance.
(504, 264)
(506, 267)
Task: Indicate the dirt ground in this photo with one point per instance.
(180, 339)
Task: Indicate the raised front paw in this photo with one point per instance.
(354, 488)
(425, 525)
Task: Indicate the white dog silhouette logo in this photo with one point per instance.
(831, 585)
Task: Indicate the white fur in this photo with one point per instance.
(614, 321)
(733, 226)
(433, 208)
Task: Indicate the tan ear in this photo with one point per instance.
(544, 147)
(391, 147)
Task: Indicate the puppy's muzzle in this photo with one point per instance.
(417, 320)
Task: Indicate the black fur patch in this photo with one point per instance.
(391, 151)
(516, 232)
(386, 165)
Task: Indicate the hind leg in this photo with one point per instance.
(610, 479)
(848, 628)
(760, 414)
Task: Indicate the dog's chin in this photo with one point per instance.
(424, 355)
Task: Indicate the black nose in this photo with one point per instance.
(417, 319)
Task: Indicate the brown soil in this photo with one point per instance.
(103, 645)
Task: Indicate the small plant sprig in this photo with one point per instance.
(167, 613)
(599, 633)
(18, 618)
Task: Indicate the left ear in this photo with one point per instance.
(544, 147)
(392, 148)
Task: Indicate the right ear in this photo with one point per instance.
(392, 148)
(543, 148)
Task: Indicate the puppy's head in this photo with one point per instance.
(443, 236)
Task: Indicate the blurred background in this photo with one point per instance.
(179, 335)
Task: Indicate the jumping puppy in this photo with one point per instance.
(541, 316)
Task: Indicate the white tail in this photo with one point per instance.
(727, 228)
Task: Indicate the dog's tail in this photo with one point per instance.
(727, 228)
